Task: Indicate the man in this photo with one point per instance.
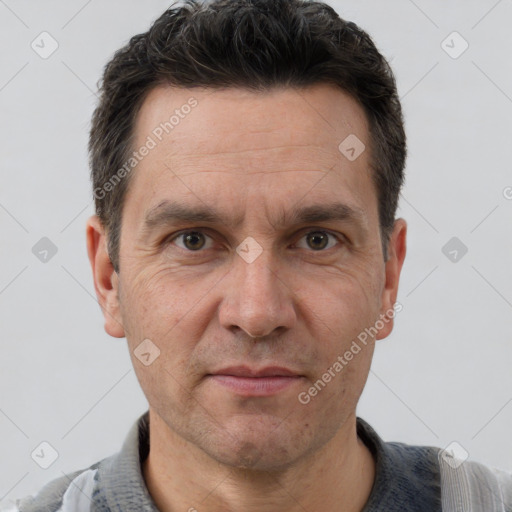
(247, 157)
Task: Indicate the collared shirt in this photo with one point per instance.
(407, 477)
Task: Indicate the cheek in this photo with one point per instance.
(170, 310)
(157, 299)
(343, 301)
(161, 311)
(336, 312)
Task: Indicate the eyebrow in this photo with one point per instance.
(169, 212)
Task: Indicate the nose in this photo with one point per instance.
(258, 298)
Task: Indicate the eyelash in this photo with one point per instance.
(339, 238)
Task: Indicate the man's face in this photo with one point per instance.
(262, 288)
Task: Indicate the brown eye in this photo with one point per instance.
(191, 240)
(320, 240)
(317, 240)
(194, 240)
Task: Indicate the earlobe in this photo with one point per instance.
(105, 278)
(397, 249)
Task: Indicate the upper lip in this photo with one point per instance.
(268, 371)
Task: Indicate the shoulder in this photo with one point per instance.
(418, 477)
(466, 484)
(463, 484)
(69, 492)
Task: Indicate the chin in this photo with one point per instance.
(248, 448)
(255, 458)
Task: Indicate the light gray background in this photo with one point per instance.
(443, 375)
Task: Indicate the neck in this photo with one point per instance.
(180, 476)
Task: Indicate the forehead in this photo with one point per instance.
(208, 144)
(194, 119)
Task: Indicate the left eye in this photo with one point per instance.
(194, 241)
(318, 240)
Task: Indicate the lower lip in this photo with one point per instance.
(255, 386)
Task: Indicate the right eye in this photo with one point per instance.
(192, 240)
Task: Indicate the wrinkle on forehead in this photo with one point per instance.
(281, 159)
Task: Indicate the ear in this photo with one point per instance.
(106, 281)
(396, 257)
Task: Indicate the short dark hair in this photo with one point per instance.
(251, 44)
